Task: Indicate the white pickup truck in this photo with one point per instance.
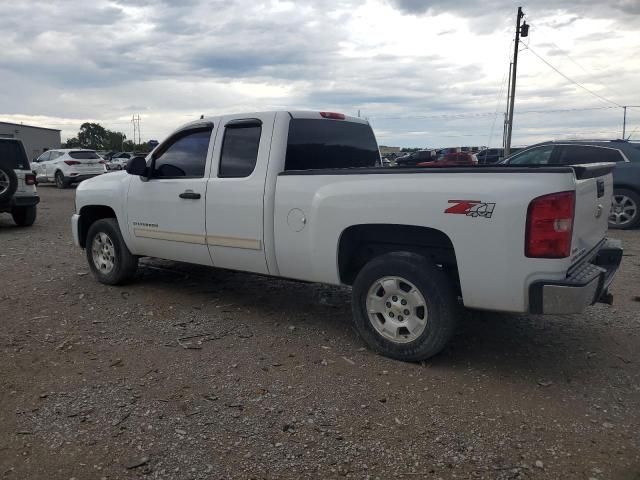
(302, 195)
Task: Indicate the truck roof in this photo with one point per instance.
(309, 114)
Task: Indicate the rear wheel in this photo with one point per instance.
(108, 256)
(404, 306)
(24, 216)
(61, 182)
(625, 213)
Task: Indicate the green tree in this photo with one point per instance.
(114, 140)
(92, 135)
(95, 136)
(72, 143)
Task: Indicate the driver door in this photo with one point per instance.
(39, 166)
(166, 212)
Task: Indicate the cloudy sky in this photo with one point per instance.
(425, 72)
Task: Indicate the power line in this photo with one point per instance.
(570, 79)
(463, 115)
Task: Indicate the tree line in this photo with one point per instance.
(95, 137)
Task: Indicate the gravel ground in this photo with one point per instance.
(195, 373)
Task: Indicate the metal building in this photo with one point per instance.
(35, 139)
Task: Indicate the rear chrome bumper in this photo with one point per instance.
(586, 283)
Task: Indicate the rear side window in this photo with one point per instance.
(12, 154)
(319, 144)
(577, 154)
(84, 155)
(240, 149)
(184, 156)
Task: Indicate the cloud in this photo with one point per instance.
(397, 61)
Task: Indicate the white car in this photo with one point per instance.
(119, 160)
(68, 166)
(300, 195)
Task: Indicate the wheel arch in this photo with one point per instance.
(627, 186)
(358, 244)
(89, 214)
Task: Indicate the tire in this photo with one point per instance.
(625, 209)
(114, 264)
(428, 335)
(24, 216)
(61, 182)
(8, 183)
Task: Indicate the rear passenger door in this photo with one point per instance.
(235, 193)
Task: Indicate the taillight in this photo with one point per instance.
(72, 162)
(30, 179)
(332, 115)
(550, 226)
(102, 162)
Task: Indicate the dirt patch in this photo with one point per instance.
(196, 373)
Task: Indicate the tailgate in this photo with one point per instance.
(594, 188)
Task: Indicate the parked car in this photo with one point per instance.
(490, 155)
(119, 160)
(452, 159)
(299, 195)
(625, 207)
(18, 194)
(414, 158)
(68, 166)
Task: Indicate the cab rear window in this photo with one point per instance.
(84, 155)
(322, 144)
(12, 154)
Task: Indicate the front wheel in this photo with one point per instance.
(404, 306)
(625, 213)
(109, 259)
(24, 216)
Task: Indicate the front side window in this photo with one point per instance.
(44, 157)
(239, 150)
(580, 154)
(186, 156)
(534, 156)
(321, 144)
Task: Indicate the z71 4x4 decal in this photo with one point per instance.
(471, 208)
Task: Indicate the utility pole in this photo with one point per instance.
(524, 31)
(135, 120)
(624, 123)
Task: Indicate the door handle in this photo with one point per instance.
(189, 194)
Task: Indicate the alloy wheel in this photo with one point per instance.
(623, 210)
(396, 309)
(103, 253)
(4, 182)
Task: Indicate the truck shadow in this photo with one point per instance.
(530, 348)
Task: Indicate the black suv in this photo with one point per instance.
(625, 205)
(17, 183)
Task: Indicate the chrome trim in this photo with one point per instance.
(562, 299)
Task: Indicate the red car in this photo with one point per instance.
(451, 159)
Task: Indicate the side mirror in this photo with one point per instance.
(137, 166)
